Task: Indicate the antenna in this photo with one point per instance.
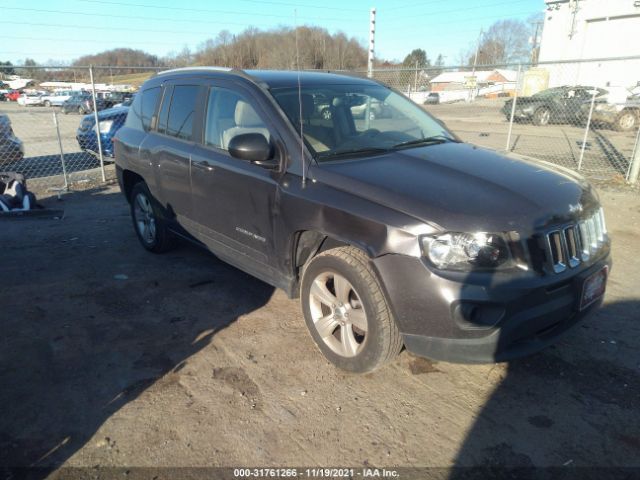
(304, 163)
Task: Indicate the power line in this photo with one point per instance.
(303, 5)
(202, 10)
(513, 15)
(441, 12)
(67, 12)
(84, 40)
(410, 5)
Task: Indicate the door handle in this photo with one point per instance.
(202, 165)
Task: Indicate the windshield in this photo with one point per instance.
(356, 120)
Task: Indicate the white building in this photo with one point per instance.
(592, 29)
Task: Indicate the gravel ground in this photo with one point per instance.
(113, 356)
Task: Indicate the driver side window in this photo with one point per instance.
(229, 114)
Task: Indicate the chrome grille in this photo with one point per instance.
(569, 246)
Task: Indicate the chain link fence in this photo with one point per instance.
(581, 115)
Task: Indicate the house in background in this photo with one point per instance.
(488, 83)
(591, 29)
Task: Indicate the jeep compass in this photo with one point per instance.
(391, 231)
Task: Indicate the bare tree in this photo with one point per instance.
(505, 41)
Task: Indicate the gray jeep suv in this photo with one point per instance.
(390, 230)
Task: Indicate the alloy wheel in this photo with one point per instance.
(338, 314)
(145, 221)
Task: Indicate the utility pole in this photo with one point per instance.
(475, 58)
(372, 41)
(534, 49)
(475, 61)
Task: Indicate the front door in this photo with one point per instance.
(234, 201)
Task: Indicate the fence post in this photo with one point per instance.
(513, 108)
(97, 125)
(586, 129)
(64, 168)
(634, 166)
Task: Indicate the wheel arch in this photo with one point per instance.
(129, 179)
(306, 244)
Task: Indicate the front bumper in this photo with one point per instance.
(88, 143)
(470, 321)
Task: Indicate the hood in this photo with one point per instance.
(462, 187)
(105, 114)
(526, 100)
(112, 112)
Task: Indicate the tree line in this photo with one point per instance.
(304, 47)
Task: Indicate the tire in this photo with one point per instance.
(47, 103)
(353, 327)
(542, 116)
(626, 121)
(81, 110)
(372, 115)
(326, 114)
(148, 221)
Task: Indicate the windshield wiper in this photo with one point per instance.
(434, 139)
(354, 151)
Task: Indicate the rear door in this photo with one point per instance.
(234, 200)
(169, 146)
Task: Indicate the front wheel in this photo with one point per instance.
(346, 311)
(47, 103)
(148, 221)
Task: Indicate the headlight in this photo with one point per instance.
(105, 126)
(466, 251)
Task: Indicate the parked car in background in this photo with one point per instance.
(109, 122)
(621, 113)
(30, 100)
(82, 104)
(116, 98)
(554, 105)
(13, 96)
(56, 99)
(433, 98)
(11, 148)
(400, 234)
(358, 105)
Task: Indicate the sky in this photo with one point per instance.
(66, 29)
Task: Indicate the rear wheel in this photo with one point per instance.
(626, 121)
(542, 116)
(81, 110)
(47, 103)
(346, 312)
(148, 221)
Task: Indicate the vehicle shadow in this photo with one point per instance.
(90, 321)
(573, 405)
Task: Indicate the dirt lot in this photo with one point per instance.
(113, 356)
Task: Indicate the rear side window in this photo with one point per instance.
(182, 111)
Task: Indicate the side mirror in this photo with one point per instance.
(254, 148)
